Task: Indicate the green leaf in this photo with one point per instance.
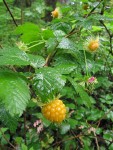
(65, 128)
(69, 46)
(72, 123)
(66, 44)
(7, 119)
(3, 141)
(36, 61)
(14, 93)
(47, 34)
(47, 82)
(95, 114)
(30, 32)
(15, 56)
(65, 68)
(51, 44)
(59, 33)
(24, 147)
(79, 89)
(87, 143)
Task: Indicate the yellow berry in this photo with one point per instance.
(54, 111)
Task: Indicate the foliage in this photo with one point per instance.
(41, 61)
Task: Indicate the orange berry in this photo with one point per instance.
(93, 45)
(56, 13)
(54, 111)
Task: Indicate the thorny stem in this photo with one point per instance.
(10, 12)
(7, 140)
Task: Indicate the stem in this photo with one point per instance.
(103, 116)
(36, 45)
(96, 140)
(92, 10)
(86, 63)
(7, 140)
(25, 128)
(10, 13)
(109, 34)
(51, 55)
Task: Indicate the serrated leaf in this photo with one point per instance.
(59, 33)
(64, 59)
(36, 61)
(47, 34)
(47, 82)
(14, 56)
(79, 89)
(51, 44)
(66, 44)
(7, 119)
(65, 68)
(69, 47)
(14, 93)
(29, 32)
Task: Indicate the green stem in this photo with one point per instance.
(86, 63)
(36, 44)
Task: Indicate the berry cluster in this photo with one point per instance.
(54, 111)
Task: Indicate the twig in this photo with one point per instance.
(92, 10)
(71, 138)
(101, 21)
(109, 34)
(7, 140)
(25, 127)
(51, 55)
(10, 12)
(98, 122)
(73, 31)
(96, 140)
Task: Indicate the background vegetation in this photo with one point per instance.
(41, 58)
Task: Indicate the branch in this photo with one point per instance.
(92, 10)
(50, 56)
(109, 34)
(7, 140)
(73, 31)
(98, 122)
(10, 13)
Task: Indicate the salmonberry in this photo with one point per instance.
(56, 13)
(54, 111)
(92, 44)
